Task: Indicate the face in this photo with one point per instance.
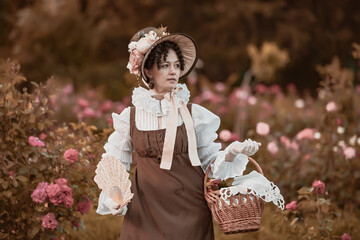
(167, 76)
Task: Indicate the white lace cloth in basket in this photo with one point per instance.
(256, 184)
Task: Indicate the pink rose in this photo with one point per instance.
(234, 137)
(345, 236)
(307, 133)
(35, 142)
(67, 196)
(319, 186)
(42, 136)
(61, 181)
(294, 146)
(84, 206)
(120, 108)
(89, 113)
(75, 223)
(252, 100)
(339, 122)
(349, 152)
(68, 89)
(143, 45)
(39, 195)
(220, 86)
(292, 206)
(291, 87)
(215, 183)
(83, 103)
(225, 135)
(71, 155)
(206, 95)
(331, 106)
(60, 193)
(260, 88)
(275, 89)
(49, 221)
(54, 193)
(262, 128)
(286, 141)
(106, 106)
(272, 147)
(135, 61)
(11, 174)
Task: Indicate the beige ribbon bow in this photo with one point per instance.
(171, 127)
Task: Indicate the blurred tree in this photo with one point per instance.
(86, 40)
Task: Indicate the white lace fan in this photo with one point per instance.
(112, 177)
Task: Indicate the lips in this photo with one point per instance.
(171, 79)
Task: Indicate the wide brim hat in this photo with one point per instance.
(186, 43)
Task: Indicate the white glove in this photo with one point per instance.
(248, 147)
(114, 208)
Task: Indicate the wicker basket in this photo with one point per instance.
(242, 215)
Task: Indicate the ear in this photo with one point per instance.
(148, 72)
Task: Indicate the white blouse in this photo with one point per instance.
(148, 110)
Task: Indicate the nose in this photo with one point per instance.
(172, 70)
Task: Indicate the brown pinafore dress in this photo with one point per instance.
(167, 204)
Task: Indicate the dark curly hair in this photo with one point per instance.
(162, 50)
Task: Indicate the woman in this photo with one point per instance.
(173, 145)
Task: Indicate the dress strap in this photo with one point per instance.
(132, 120)
(189, 107)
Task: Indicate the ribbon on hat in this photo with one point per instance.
(171, 127)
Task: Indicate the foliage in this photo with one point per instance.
(87, 40)
(25, 163)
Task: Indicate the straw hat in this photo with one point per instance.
(148, 38)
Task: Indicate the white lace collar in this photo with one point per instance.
(141, 98)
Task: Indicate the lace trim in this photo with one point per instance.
(141, 98)
(256, 185)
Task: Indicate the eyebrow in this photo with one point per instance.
(169, 62)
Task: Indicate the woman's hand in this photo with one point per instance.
(114, 208)
(248, 148)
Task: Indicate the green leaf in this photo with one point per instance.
(15, 183)
(32, 118)
(47, 155)
(4, 185)
(305, 190)
(23, 170)
(323, 201)
(34, 231)
(7, 194)
(22, 178)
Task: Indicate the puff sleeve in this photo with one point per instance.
(120, 146)
(206, 125)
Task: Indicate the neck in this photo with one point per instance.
(161, 91)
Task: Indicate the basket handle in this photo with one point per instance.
(257, 166)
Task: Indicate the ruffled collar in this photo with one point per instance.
(142, 99)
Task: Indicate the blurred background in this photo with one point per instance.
(283, 73)
(85, 41)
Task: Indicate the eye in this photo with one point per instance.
(177, 65)
(164, 65)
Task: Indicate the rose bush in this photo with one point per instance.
(45, 183)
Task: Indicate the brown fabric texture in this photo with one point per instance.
(167, 204)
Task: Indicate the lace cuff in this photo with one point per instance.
(102, 209)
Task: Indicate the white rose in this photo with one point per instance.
(144, 44)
